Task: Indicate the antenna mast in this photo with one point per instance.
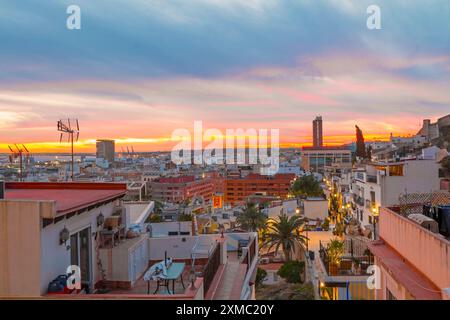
(66, 128)
(17, 152)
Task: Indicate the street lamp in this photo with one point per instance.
(375, 215)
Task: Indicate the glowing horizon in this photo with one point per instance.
(166, 143)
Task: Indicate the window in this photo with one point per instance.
(396, 170)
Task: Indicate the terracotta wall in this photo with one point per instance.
(427, 251)
(20, 246)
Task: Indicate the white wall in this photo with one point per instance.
(315, 209)
(289, 207)
(162, 229)
(177, 247)
(137, 212)
(421, 176)
(55, 258)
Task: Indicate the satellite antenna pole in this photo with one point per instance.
(67, 128)
(18, 153)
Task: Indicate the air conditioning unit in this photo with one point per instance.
(425, 222)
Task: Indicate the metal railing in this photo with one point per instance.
(211, 267)
(354, 250)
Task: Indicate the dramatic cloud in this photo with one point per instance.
(139, 69)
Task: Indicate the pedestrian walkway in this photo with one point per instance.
(229, 275)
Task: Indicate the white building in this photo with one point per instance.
(381, 184)
(315, 208)
(47, 227)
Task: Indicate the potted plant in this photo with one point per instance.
(335, 251)
(356, 266)
(326, 224)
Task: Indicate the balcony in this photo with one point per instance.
(358, 200)
(350, 270)
(211, 268)
(424, 253)
(354, 261)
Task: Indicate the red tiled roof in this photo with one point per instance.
(416, 283)
(69, 197)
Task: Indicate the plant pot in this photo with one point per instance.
(333, 269)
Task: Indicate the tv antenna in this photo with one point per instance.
(66, 128)
(17, 153)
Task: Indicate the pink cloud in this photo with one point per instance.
(308, 97)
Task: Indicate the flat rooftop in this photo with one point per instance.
(69, 196)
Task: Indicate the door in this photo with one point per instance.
(80, 255)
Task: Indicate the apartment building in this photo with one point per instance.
(238, 189)
(317, 132)
(105, 149)
(179, 189)
(381, 184)
(316, 159)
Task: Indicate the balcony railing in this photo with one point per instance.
(251, 252)
(211, 267)
(354, 261)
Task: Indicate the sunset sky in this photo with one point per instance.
(139, 69)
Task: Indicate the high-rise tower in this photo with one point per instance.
(317, 132)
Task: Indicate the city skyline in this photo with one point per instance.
(137, 71)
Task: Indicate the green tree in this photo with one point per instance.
(251, 219)
(307, 186)
(360, 145)
(334, 204)
(184, 217)
(292, 271)
(158, 207)
(339, 229)
(261, 275)
(285, 233)
(154, 218)
(326, 224)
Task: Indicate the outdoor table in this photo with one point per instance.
(174, 271)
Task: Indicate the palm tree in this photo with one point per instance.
(284, 232)
(251, 219)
